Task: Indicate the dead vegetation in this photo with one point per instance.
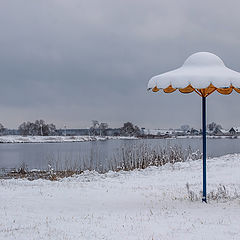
(126, 158)
(221, 194)
(33, 175)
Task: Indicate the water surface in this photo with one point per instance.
(40, 155)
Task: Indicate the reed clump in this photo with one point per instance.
(126, 158)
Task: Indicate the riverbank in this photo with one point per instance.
(152, 204)
(55, 139)
(62, 139)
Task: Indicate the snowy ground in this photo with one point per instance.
(150, 204)
(53, 139)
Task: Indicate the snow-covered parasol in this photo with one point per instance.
(203, 73)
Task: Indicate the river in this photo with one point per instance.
(41, 155)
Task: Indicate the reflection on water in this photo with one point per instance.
(98, 153)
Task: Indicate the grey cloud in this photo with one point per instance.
(74, 61)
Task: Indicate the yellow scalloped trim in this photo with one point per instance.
(225, 91)
(169, 89)
(202, 92)
(237, 89)
(187, 89)
(155, 89)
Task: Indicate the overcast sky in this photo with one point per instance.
(72, 61)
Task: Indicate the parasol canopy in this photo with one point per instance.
(203, 73)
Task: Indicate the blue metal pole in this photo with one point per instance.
(204, 197)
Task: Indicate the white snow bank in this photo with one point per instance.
(54, 139)
(149, 204)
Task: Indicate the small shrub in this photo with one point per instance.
(220, 194)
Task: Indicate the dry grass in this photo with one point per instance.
(126, 158)
(221, 194)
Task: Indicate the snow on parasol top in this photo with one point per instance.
(203, 73)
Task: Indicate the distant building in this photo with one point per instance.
(72, 132)
(11, 132)
(156, 132)
(113, 132)
(185, 128)
(224, 132)
(86, 132)
(193, 131)
(179, 132)
(217, 132)
(168, 132)
(235, 131)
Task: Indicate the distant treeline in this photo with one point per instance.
(41, 128)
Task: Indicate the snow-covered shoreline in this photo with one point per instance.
(142, 204)
(62, 139)
(54, 139)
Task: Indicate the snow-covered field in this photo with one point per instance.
(54, 139)
(149, 204)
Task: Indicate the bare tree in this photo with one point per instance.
(94, 127)
(129, 129)
(214, 127)
(39, 127)
(2, 129)
(95, 123)
(102, 128)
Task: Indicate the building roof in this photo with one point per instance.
(236, 129)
